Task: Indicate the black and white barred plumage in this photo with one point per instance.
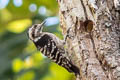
(51, 46)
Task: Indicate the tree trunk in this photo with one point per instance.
(95, 43)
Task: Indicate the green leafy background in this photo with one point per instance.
(19, 58)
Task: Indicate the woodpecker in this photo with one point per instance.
(51, 46)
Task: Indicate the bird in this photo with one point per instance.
(52, 47)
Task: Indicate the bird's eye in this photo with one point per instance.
(35, 25)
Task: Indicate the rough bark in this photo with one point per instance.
(95, 45)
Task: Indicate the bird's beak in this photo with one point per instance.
(42, 24)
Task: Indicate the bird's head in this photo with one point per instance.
(35, 30)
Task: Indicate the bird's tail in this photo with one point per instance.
(73, 68)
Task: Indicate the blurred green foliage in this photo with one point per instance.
(19, 59)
